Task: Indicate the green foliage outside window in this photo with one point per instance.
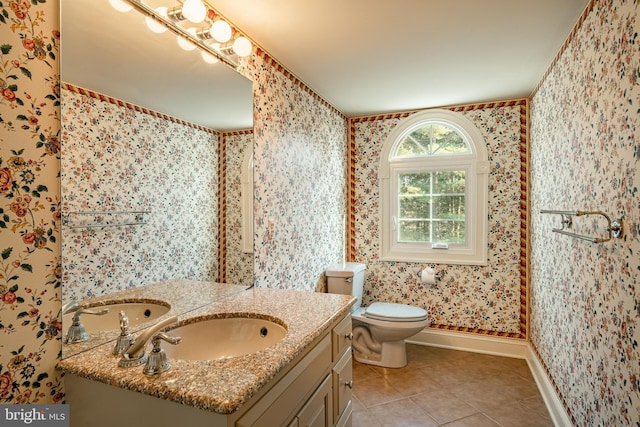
(432, 139)
(432, 207)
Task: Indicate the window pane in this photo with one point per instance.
(448, 207)
(414, 231)
(449, 182)
(432, 139)
(431, 207)
(415, 207)
(449, 231)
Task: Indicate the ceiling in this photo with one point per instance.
(370, 56)
(362, 56)
(115, 54)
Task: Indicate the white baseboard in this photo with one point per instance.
(547, 390)
(499, 346)
(466, 341)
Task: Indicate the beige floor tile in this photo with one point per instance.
(518, 415)
(506, 389)
(374, 391)
(448, 387)
(477, 420)
(363, 372)
(443, 407)
(409, 383)
(356, 404)
(402, 413)
(364, 418)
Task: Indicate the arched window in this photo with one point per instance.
(433, 188)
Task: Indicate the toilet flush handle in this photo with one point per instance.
(349, 279)
(349, 336)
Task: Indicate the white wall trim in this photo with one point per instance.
(466, 341)
(547, 390)
(499, 346)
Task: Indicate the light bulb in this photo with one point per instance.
(220, 31)
(242, 46)
(154, 25)
(194, 10)
(120, 5)
(186, 44)
(208, 58)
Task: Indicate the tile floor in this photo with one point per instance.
(451, 388)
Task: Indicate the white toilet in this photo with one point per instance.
(380, 329)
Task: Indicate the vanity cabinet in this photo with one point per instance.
(314, 390)
(318, 388)
(341, 372)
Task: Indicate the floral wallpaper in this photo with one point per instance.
(585, 155)
(474, 298)
(30, 327)
(299, 181)
(236, 265)
(308, 234)
(119, 159)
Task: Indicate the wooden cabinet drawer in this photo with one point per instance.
(317, 411)
(342, 383)
(341, 337)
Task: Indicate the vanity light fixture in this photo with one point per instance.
(184, 43)
(192, 10)
(228, 44)
(221, 31)
(154, 25)
(242, 46)
(208, 58)
(120, 5)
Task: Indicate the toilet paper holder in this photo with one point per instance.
(438, 275)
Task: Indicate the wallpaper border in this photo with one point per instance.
(125, 104)
(524, 202)
(585, 13)
(222, 200)
(268, 59)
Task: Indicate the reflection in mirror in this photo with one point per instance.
(141, 124)
(246, 182)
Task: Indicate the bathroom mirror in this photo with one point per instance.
(115, 55)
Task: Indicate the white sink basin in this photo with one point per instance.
(220, 338)
(138, 312)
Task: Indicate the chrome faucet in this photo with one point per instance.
(126, 338)
(70, 306)
(157, 362)
(136, 354)
(77, 332)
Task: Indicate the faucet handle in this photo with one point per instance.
(77, 332)
(136, 354)
(157, 362)
(70, 306)
(126, 338)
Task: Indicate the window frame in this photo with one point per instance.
(476, 166)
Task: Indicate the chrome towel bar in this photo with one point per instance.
(98, 222)
(614, 228)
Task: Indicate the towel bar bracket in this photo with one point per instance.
(614, 228)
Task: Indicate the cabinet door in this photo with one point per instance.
(342, 383)
(341, 336)
(317, 411)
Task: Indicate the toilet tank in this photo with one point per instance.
(346, 278)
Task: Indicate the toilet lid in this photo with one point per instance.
(393, 312)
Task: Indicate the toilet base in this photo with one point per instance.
(393, 354)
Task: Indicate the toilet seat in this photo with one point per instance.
(392, 312)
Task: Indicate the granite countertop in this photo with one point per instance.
(223, 386)
(181, 295)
